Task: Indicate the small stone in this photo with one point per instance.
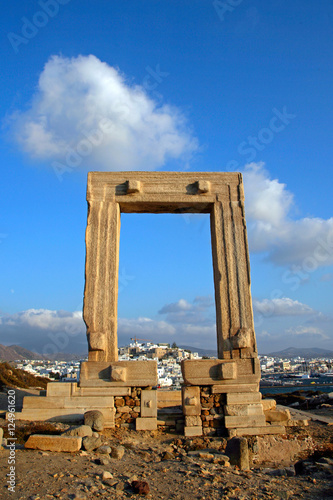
(81, 431)
(107, 475)
(117, 452)
(168, 456)
(140, 487)
(95, 420)
(103, 461)
(105, 450)
(91, 443)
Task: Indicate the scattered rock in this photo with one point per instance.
(105, 450)
(81, 431)
(168, 456)
(104, 460)
(95, 420)
(140, 487)
(107, 475)
(117, 452)
(90, 443)
(238, 451)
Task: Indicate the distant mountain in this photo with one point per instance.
(201, 352)
(13, 352)
(305, 352)
(16, 352)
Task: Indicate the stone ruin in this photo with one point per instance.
(219, 395)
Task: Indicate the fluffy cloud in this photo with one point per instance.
(307, 331)
(281, 307)
(307, 242)
(45, 331)
(190, 316)
(86, 113)
(48, 332)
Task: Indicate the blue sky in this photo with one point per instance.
(187, 85)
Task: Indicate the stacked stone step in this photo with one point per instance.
(244, 415)
(128, 408)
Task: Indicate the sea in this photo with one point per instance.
(324, 384)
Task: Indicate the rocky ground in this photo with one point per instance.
(171, 466)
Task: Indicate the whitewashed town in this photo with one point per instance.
(275, 370)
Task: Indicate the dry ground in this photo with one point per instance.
(47, 475)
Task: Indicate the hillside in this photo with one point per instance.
(306, 352)
(13, 377)
(14, 352)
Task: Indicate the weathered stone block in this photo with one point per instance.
(192, 420)
(59, 388)
(228, 371)
(209, 371)
(238, 451)
(243, 410)
(191, 400)
(146, 424)
(99, 374)
(53, 443)
(229, 388)
(148, 403)
(118, 374)
(257, 431)
(268, 404)
(193, 431)
(257, 421)
(243, 398)
(277, 415)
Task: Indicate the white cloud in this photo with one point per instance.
(45, 331)
(307, 331)
(85, 113)
(281, 307)
(307, 241)
(180, 306)
(143, 328)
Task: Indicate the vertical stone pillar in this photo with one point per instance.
(234, 316)
(101, 286)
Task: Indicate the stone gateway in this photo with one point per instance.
(219, 395)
